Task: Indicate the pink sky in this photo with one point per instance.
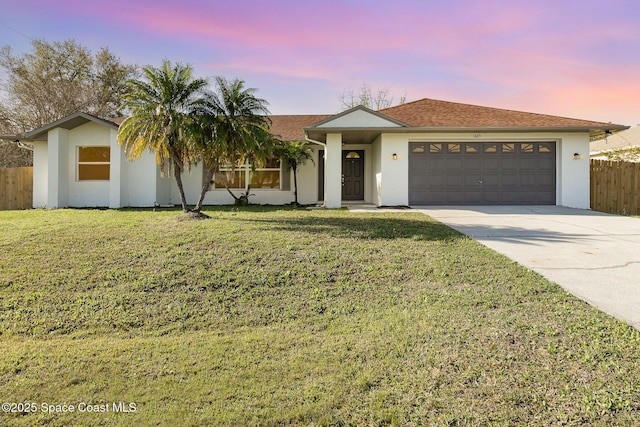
(575, 58)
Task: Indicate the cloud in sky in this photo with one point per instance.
(571, 58)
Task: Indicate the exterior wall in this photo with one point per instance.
(140, 181)
(394, 188)
(57, 168)
(163, 185)
(308, 178)
(40, 174)
(376, 171)
(86, 193)
(572, 176)
(118, 190)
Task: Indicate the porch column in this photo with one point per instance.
(333, 171)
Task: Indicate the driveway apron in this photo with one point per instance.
(594, 256)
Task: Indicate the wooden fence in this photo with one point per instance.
(615, 187)
(16, 188)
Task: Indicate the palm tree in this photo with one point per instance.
(161, 107)
(294, 154)
(234, 130)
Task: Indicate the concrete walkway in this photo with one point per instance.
(594, 256)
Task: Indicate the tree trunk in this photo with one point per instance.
(243, 200)
(177, 170)
(210, 172)
(232, 195)
(295, 185)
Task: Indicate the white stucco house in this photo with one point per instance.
(426, 152)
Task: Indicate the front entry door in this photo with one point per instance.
(352, 175)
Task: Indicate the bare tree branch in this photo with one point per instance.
(367, 97)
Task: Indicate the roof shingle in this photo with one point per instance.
(291, 127)
(434, 113)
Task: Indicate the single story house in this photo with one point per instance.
(426, 152)
(619, 143)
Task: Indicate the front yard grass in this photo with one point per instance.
(271, 316)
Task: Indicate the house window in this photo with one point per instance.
(267, 177)
(94, 163)
(472, 148)
(526, 148)
(453, 148)
(435, 148)
(491, 148)
(227, 177)
(544, 147)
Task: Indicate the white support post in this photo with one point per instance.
(333, 171)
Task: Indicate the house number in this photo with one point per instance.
(477, 135)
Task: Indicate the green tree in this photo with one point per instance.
(234, 130)
(294, 154)
(162, 107)
(59, 79)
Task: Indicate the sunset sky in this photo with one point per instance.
(575, 58)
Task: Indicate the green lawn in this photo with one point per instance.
(267, 316)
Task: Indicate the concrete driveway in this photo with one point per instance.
(594, 256)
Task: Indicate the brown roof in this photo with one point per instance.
(291, 127)
(433, 113)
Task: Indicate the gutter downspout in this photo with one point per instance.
(313, 141)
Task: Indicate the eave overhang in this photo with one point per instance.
(320, 134)
(68, 123)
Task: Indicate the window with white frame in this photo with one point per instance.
(94, 163)
(266, 177)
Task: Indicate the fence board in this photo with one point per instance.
(615, 187)
(16, 188)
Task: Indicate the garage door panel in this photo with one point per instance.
(491, 179)
(472, 181)
(546, 181)
(491, 163)
(482, 173)
(473, 197)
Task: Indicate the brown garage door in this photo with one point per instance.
(482, 173)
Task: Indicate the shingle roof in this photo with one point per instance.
(423, 113)
(624, 139)
(291, 127)
(434, 113)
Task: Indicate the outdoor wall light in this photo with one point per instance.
(576, 156)
(394, 156)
